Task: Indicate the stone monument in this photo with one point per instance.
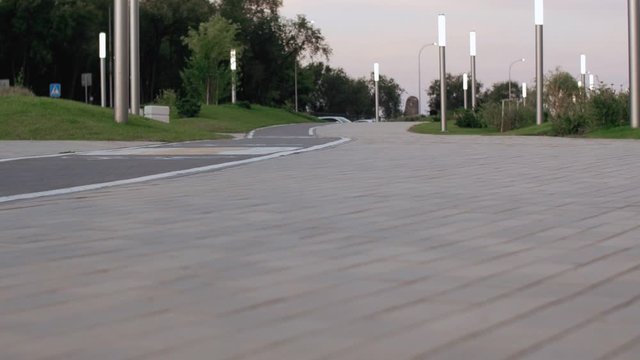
(412, 108)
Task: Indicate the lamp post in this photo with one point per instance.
(524, 93)
(465, 87)
(135, 56)
(102, 42)
(592, 82)
(234, 67)
(376, 79)
(583, 72)
(442, 43)
(539, 21)
(634, 62)
(473, 53)
(511, 66)
(420, 75)
(121, 78)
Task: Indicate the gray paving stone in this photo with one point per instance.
(394, 246)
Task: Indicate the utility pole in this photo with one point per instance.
(121, 98)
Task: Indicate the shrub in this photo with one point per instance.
(167, 97)
(244, 104)
(16, 91)
(468, 119)
(570, 123)
(607, 109)
(517, 117)
(188, 105)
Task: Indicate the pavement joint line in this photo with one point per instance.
(84, 152)
(193, 171)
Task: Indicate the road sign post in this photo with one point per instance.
(87, 82)
(55, 90)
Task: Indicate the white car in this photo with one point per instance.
(335, 119)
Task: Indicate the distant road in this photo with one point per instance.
(63, 173)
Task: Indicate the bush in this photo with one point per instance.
(607, 109)
(167, 97)
(188, 106)
(16, 91)
(468, 119)
(244, 104)
(570, 123)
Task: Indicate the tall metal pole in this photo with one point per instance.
(634, 62)
(121, 98)
(376, 79)
(295, 79)
(234, 67)
(102, 50)
(539, 20)
(135, 56)
(465, 87)
(442, 42)
(110, 59)
(583, 73)
(473, 53)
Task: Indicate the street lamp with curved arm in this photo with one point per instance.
(420, 75)
(510, 66)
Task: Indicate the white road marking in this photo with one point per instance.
(193, 171)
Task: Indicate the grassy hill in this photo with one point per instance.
(38, 118)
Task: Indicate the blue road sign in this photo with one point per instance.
(55, 90)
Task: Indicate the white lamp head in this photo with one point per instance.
(103, 45)
(583, 64)
(592, 82)
(376, 72)
(539, 12)
(465, 81)
(234, 63)
(523, 60)
(442, 30)
(472, 44)
(524, 90)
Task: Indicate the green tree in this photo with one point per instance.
(210, 46)
(455, 93)
(390, 97)
(500, 91)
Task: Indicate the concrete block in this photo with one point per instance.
(159, 113)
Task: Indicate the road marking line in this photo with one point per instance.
(193, 171)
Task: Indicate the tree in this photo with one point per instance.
(390, 97)
(210, 46)
(455, 93)
(561, 93)
(500, 91)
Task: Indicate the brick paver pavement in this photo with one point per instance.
(394, 246)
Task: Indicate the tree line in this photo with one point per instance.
(185, 46)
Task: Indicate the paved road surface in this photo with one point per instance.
(42, 174)
(392, 246)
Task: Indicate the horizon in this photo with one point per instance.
(411, 24)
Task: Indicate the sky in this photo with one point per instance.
(391, 32)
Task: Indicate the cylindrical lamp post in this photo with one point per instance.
(234, 67)
(524, 93)
(539, 21)
(135, 56)
(121, 77)
(420, 76)
(473, 53)
(634, 62)
(465, 87)
(583, 72)
(102, 42)
(442, 43)
(592, 82)
(376, 79)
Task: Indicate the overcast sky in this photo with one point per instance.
(392, 32)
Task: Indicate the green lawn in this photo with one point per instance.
(623, 132)
(433, 128)
(37, 118)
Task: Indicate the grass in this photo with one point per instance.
(433, 128)
(38, 118)
(623, 132)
